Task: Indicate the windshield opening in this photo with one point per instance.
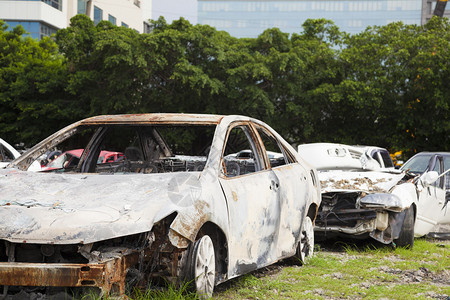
(132, 149)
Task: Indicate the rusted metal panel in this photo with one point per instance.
(65, 275)
(156, 118)
(102, 275)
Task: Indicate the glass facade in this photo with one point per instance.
(36, 30)
(251, 18)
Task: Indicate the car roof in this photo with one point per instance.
(433, 153)
(153, 118)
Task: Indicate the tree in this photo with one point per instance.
(396, 79)
(304, 91)
(106, 66)
(385, 86)
(32, 102)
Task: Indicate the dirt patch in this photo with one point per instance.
(423, 274)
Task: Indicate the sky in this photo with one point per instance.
(174, 9)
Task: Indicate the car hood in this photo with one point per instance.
(85, 208)
(369, 182)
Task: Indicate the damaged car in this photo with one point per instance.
(364, 196)
(432, 171)
(170, 208)
(7, 153)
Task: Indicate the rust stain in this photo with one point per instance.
(355, 183)
(235, 198)
(160, 118)
(103, 275)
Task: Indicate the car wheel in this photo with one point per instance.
(406, 237)
(305, 248)
(202, 267)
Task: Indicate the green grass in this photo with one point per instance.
(170, 292)
(348, 271)
(355, 272)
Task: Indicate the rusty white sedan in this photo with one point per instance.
(173, 206)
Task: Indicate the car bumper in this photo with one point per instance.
(108, 276)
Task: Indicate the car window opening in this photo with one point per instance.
(241, 156)
(133, 149)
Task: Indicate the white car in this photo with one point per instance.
(433, 167)
(171, 206)
(7, 153)
(364, 196)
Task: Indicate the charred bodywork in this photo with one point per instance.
(362, 204)
(362, 194)
(173, 206)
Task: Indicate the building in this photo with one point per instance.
(428, 9)
(173, 10)
(44, 17)
(249, 18)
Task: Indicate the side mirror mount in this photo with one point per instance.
(430, 177)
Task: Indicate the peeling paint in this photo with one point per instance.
(107, 225)
(235, 198)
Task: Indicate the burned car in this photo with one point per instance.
(7, 153)
(433, 179)
(364, 196)
(169, 208)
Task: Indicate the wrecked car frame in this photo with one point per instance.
(362, 194)
(174, 207)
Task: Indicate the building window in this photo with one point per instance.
(98, 15)
(112, 19)
(147, 28)
(36, 30)
(124, 25)
(32, 28)
(46, 30)
(82, 7)
(54, 3)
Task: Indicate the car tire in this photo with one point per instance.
(305, 247)
(406, 237)
(202, 267)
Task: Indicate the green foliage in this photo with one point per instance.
(385, 86)
(105, 65)
(32, 99)
(395, 76)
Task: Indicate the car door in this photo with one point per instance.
(251, 191)
(293, 191)
(431, 205)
